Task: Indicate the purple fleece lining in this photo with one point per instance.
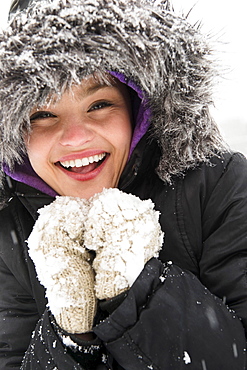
(24, 172)
(140, 109)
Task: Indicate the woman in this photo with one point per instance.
(116, 94)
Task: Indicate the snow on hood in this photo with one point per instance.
(54, 44)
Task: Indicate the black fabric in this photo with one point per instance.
(151, 326)
(47, 351)
(110, 305)
(203, 215)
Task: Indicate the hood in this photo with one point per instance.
(54, 44)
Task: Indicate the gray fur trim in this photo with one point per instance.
(56, 43)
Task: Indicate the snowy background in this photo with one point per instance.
(226, 22)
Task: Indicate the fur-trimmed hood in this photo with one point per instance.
(55, 43)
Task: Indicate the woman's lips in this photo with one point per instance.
(84, 169)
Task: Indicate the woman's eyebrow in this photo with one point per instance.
(92, 89)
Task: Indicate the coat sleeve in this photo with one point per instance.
(18, 309)
(18, 317)
(47, 351)
(223, 262)
(169, 320)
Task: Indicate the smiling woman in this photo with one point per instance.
(80, 144)
(123, 212)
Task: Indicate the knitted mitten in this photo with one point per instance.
(62, 263)
(125, 233)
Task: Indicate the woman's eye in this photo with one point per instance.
(41, 115)
(99, 105)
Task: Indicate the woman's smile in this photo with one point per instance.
(83, 168)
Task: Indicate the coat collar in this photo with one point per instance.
(31, 198)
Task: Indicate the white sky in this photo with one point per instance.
(227, 21)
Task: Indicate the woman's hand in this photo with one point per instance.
(125, 233)
(63, 265)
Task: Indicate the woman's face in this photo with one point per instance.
(80, 144)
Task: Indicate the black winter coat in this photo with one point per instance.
(174, 316)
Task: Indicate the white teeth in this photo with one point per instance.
(78, 163)
(84, 161)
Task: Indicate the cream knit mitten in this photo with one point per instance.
(63, 264)
(125, 233)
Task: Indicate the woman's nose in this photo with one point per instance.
(76, 132)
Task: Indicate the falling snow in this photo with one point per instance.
(186, 358)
